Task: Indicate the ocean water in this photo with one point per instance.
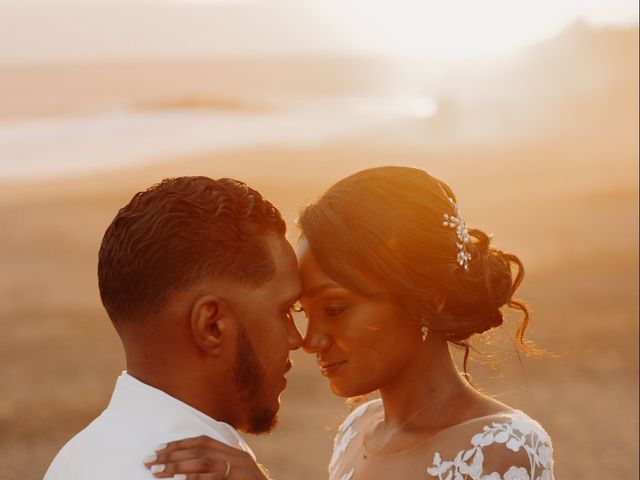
(59, 147)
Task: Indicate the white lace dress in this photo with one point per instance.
(504, 446)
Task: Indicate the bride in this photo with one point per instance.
(392, 278)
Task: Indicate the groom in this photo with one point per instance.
(198, 280)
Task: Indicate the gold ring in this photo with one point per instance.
(226, 473)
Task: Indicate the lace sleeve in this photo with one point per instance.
(345, 434)
(516, 448)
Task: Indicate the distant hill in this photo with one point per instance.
(583, 81)
(597, 64)
(580, 82)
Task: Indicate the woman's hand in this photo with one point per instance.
(203, 458)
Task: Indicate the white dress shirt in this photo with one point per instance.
(138, 419)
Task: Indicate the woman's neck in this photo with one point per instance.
(431, 380)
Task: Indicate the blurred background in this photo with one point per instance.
(528, 109)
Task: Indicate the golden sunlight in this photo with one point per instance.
(460, 28)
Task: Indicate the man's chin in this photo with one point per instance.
(262, 421)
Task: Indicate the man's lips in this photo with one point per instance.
(288, 365)
(287, 368)
(329, 368)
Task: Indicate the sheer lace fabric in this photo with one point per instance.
(505, 446)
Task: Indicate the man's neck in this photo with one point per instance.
(191, 386)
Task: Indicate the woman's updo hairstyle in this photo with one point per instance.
(383, 227)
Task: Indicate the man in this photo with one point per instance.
(199, 281)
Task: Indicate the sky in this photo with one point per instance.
(51, 30)
(460, 28)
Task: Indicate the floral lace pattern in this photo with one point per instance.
(345, 434)
(517, 433)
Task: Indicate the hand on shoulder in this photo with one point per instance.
(205, 459)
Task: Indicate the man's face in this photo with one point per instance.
(265, 335)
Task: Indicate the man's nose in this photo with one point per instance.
(295, 337)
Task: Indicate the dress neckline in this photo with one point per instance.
(502, 413)
(367, 454)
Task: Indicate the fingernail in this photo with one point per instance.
(180, 476)
(162, 446)
(157, 468)
(150, 458)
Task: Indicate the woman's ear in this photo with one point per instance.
(208, 323)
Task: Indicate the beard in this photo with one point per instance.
(250, 380)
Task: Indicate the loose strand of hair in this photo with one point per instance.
(527, 346)
(515, 303)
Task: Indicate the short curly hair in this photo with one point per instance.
(181, 231)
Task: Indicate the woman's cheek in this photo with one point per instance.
(365, 365)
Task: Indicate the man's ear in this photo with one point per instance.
(209, 320)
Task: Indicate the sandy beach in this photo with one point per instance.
(560, 190)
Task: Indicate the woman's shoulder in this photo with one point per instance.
(350, 428)
(512, 425)
(507, 420)
(508, 443)
(361, 411)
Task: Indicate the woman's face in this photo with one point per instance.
(362, 343)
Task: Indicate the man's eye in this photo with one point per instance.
(295, 308)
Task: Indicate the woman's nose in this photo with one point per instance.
(315, 341)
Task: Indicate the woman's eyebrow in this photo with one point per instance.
(316, 290)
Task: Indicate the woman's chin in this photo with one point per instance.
(348, 390)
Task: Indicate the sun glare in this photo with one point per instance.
(448, 30)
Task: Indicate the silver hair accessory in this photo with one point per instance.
(456, 221)
(425, 330)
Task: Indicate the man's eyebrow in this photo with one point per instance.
(312, 292)
(293, 298)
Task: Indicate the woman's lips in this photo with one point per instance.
(328, 369)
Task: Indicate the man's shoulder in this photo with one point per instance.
(137, 419)
(104, 450)
(114, 444)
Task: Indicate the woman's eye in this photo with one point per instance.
(334, 310)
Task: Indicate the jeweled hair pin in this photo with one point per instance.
(457, 222)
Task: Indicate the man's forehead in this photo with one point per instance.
(287, 284)
(287, 276)
(291, 295)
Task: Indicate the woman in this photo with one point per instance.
(391, 278)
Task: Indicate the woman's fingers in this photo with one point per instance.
(201, 441)
(203, 464)
(207, 456)
(173, 456)
(203, 458)
(200, 476)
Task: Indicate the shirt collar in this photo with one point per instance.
(129, 389)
